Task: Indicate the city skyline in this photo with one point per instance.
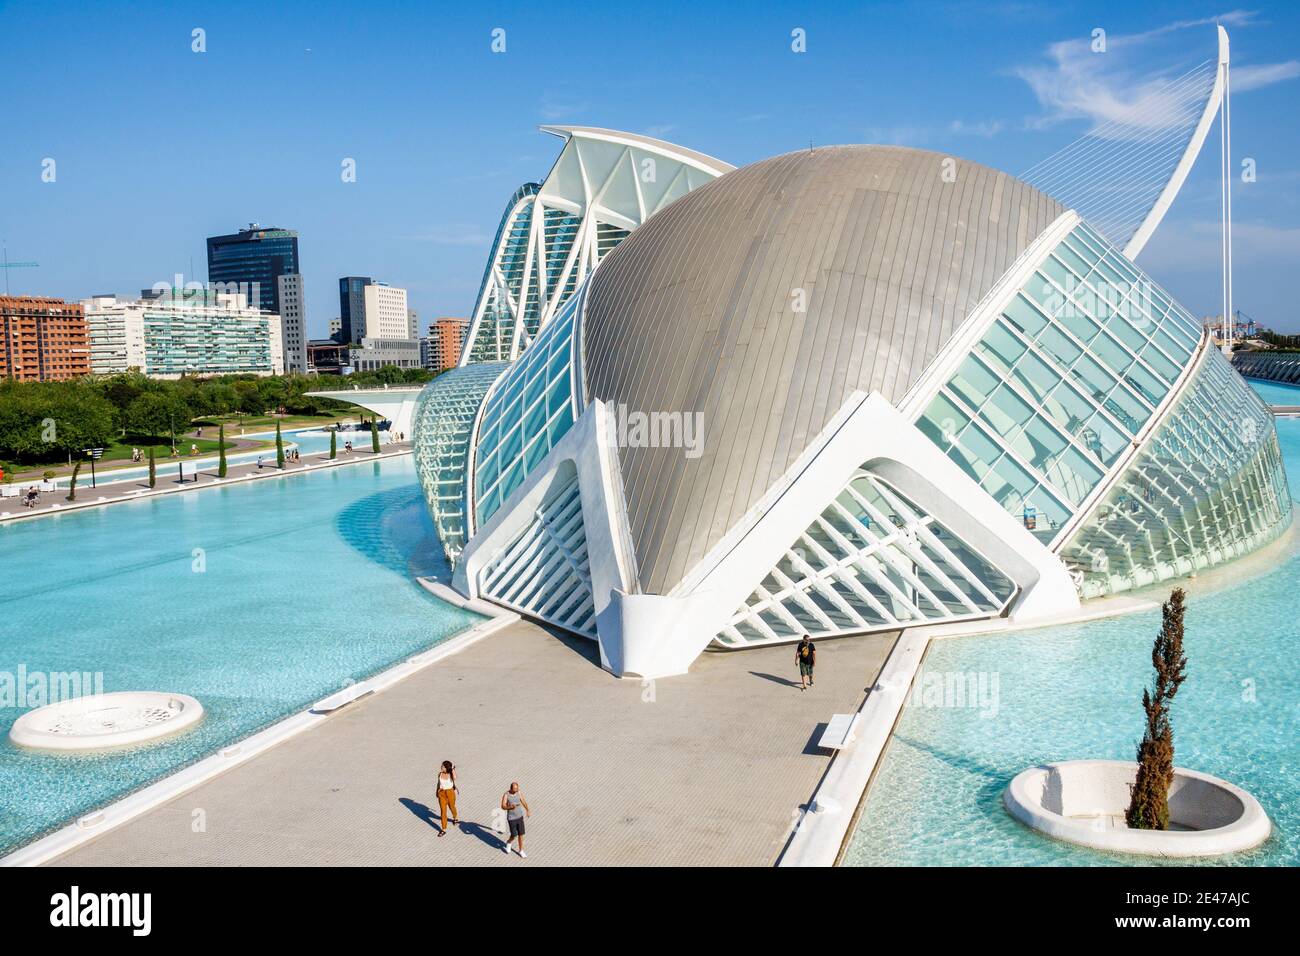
(1005, 88)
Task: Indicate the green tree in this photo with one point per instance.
(1149, 804)
(72, 484)
(153, 469)
(247, 400)
(221, 451)
(121, 390)
(45, 421)
(334, 444)
(219, 398)
(157, 415)
(374, 436)
(279, 447)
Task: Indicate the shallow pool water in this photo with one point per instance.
(257, 598)
(1276, 393)
(1076, 692)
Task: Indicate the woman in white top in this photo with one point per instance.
(447, 790)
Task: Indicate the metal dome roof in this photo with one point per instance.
(696, 312)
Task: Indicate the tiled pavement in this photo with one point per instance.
(708, 768)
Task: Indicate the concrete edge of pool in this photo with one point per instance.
(97, 822)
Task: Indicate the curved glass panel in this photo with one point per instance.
(440, 431)
(1062, 381)
(1207, 487)
(527, 413)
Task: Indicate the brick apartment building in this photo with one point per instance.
(446, 339)
(42, 339)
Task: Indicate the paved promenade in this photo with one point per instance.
(55, 502)
(709, 768)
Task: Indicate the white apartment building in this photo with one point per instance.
(116, 328)
(174, 332)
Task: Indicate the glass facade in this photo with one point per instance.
(252, 261)
(442, 425)
(1207, 487)
(871, 561)
(528, 411)
(352, 307)
(503, 278)
(1062, 381)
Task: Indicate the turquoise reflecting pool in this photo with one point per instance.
(1076, 692)
(1276, 393)
(299, 585)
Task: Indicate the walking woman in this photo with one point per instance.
(447, 790)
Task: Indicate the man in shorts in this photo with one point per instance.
(805, 655)
(516, 808)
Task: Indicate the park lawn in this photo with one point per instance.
(234, 423)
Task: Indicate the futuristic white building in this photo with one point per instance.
(604, 184)
(843, 390)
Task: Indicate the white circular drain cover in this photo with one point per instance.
(106, 721)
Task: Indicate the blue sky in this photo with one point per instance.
(157, 146)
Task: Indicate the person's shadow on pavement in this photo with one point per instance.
(485, 834)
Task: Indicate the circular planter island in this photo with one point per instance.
(106, 721)
(1084, 801)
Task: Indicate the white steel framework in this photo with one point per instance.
(604, 184)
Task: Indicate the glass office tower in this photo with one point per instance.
(251, 261)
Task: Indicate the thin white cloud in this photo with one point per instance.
(1254, 77)
(983, 128)
(556, 109)
(897, 135)
(1199, 241)
(1119, 85)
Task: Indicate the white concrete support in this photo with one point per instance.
(589, 448)
(396, 405)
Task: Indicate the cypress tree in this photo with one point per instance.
(1149, 805)
(153, 469)
(72, 485)
(279, 448)
(334, 444)
(374, 436)
(221, 451)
